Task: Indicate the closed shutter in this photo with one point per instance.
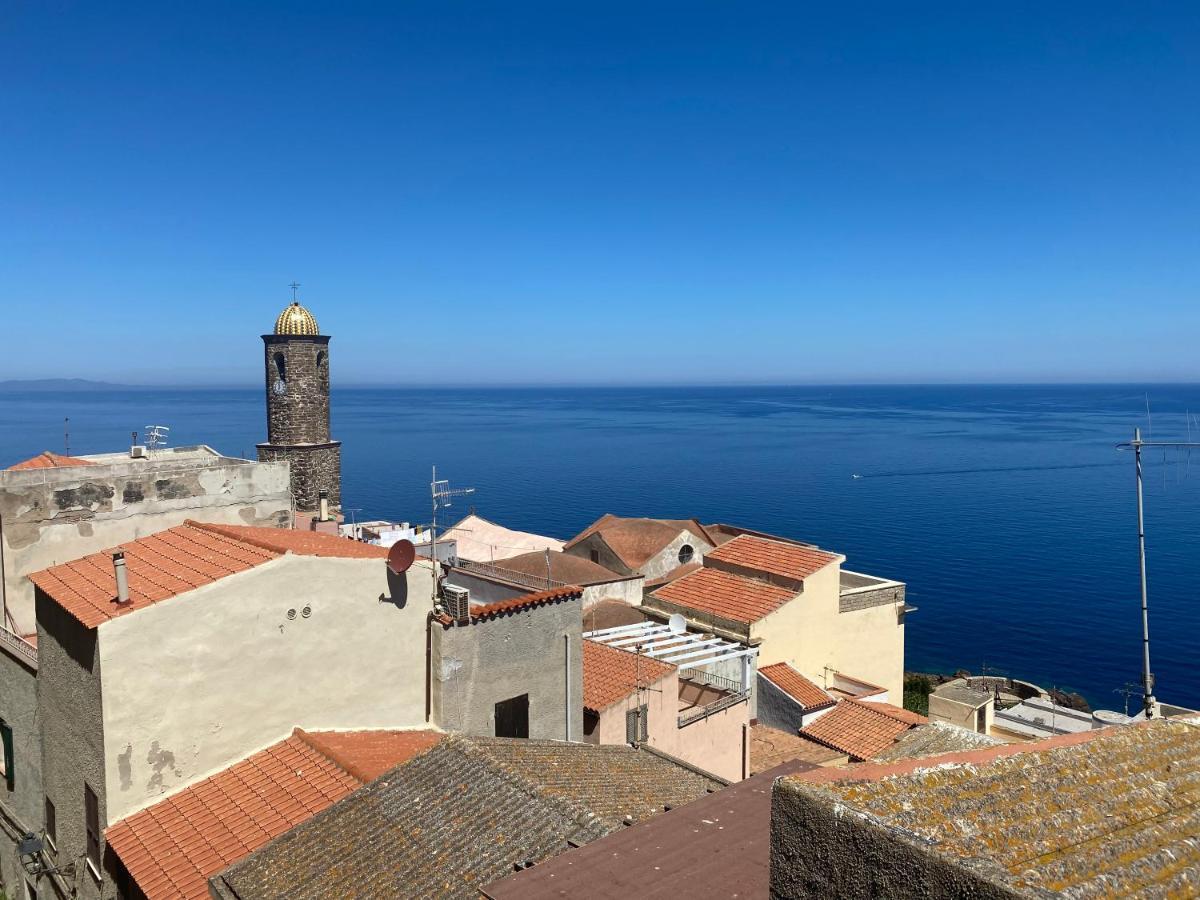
(633, 733)
(7, 740)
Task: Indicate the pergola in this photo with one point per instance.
(683, 648)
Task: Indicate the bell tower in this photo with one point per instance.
(296, 359)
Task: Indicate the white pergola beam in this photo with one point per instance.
(623, 640)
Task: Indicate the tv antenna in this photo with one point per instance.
(156, 437)
(1148, 701)
(442, 496)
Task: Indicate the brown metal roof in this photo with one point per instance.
(717, 846)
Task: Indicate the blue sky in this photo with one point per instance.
(599, 193)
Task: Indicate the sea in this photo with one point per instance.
(1009, 511)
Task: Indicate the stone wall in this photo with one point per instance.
(476, 666)
(20, 808)
(300, 414)
(821, 849)
(69, 700)
(854, 600)
(313, 468)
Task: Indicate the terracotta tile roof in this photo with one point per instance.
(637, 541)
(490, 611)
(861, 728)
(1105, 813)
(172, 848)
(178, 560)
(934, 739)
(368, 754)
(611, 612)
(770, 747)
(611, 674)
(460, 816)
(48, 460)
(726, 595)
(776, 557)
(796, 686)
(674, 575)
(563, 567)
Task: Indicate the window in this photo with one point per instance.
(595, 556)
(6, 758)
(981, 720)
(686, 552)
(91, 812)
(637, 728)
(51, 820)
(280, 367)
(512, 717)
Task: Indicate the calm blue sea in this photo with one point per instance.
(1007, 510)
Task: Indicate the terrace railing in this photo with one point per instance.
(19, 647)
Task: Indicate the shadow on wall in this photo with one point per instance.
(397, 590)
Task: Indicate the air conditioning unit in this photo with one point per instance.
(458, 601)
(138, 451)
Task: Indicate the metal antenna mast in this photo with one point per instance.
(440, 494)
(1148, 702)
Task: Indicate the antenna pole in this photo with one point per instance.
(433, 532)
(67, 436)
(1147, 679)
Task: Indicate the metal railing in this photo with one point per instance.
(20, 647)
(536, 582)
(700, 676)
(715, 707)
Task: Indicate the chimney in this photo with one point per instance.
(122, 577)
(324, 495)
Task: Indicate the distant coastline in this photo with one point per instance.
(38, 385)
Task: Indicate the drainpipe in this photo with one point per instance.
(745, 752)
(3, 586)
(567, 685)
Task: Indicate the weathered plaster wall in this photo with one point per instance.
(604, 554)
(70, 705)
(49, 516)
(667, 559)
(662, 716)
(206, 678)
(20, 808)
(819, 849)
(490, 590)
(476, 666)
(810, 633)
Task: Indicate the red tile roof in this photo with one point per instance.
(172, 848)
(368, 754)
(178, 560)
(637, 541)
(48, 460)
(490, 611)
(861, 728)
(775, 557)
(796, 686)
(726, 595)
(611, 674)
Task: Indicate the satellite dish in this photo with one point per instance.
(401, 556)
(677, 624)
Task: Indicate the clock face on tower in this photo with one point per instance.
(279, 387)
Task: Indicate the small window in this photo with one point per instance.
(512, 717)
(637, 728)
(596, 556)
(981, 720)
(91, 812)
(686, 552)
(6, 758)
(51, 819)
(280, 367)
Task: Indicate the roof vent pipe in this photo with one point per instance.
(122, 577)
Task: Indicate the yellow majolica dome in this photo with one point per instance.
(295, 319)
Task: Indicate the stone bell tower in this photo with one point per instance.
(297, 372)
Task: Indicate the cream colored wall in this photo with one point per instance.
(204, 679)
(810, 633)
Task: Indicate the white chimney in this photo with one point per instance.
(122, 577)
(324, 495)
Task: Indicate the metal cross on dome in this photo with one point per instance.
(295, 286)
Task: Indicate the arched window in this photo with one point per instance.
(280, 367)
(686, 552)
